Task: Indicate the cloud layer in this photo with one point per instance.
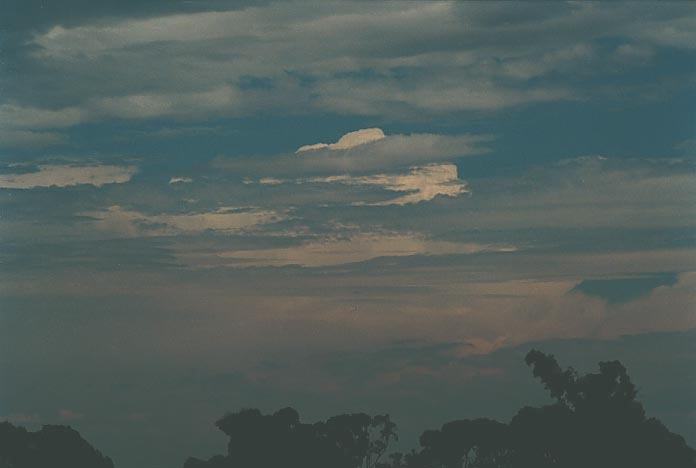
(54, 175)
(353, 59)
(358, 248)
(119, 221)
(421, 184)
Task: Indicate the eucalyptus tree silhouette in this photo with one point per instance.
(52, 446)
(594, 422)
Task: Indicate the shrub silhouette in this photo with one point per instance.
(52, 446)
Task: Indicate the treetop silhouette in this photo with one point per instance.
(52, 446)
(593, 421)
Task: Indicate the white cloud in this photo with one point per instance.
(347, 141)
(180, 180)
(389, 152)
(132, 223)
(270, 181)
(368, 150)
(358, 248)
(422, 184)
(50, 175)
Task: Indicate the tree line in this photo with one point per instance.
(594, 421)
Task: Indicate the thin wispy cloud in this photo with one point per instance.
(119, 221)
(358, 248)
(55, 175)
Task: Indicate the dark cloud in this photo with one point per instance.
(618, 290)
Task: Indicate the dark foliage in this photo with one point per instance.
(50, 447)
(280, 439)
(594, 422)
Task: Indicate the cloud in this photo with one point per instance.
(50, 175)
(17, 116)
(398, 59)
(130, 223)
(357, 248)
(383, 97)
(30, 139)
(142, 106)
(349, 140)
(585, 192)
(367, 150)
(395, 151)
(422, 184)
(180, 180)
(222, 99)
(270, 181)
(678, 32)
(626, 289)
(362, 154)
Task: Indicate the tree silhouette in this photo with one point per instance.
(281, 439)
(465, 443)
(52, 446)
(595, 421)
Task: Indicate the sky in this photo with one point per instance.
(341, 207)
